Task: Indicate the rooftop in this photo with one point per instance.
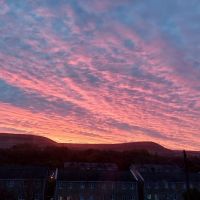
(23, 172)
(95, 175)
(168, 173)
(90, 166)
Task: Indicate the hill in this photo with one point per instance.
(132, 146)
(8, 140)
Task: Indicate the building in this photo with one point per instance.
(95, 184)
(91, 166)
(163, 182)
(22, 183)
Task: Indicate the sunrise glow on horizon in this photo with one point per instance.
(99, 71)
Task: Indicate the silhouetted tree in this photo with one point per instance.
(55, 157)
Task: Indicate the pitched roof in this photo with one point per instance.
(158, 173)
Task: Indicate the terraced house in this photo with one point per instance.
(95, 184)
(163, 182)
(22, 183)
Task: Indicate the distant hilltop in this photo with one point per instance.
(8, 140)
(131, 146)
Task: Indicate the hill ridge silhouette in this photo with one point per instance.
(9, 140)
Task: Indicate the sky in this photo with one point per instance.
(99, 71)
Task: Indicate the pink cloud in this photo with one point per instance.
(145, 91)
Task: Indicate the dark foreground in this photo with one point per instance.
(58, 173)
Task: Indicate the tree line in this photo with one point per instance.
(52, 156)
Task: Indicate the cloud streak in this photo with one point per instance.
(101, 71)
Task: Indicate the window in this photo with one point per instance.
(148, 196)
(166, 185)
(131, 198)
(69, 186)
(123, 186)
(175, 197)
(173, 185)
(148, 185)
(37, 197)
(128, 197)
(92, 186)
(91, 197)
(132, 186)
(156, 185)
(113, 186)
(104, 186)
(38, 184)
(124, 197)
(81, 197)
(82, 186)
(10, 183)
(20, 197)
(113, 197)
(60, 186)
